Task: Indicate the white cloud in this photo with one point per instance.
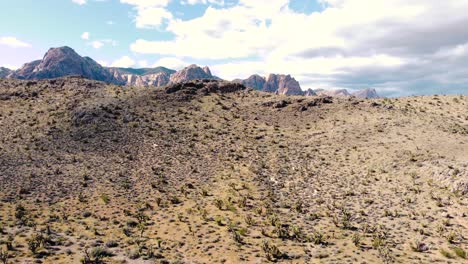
(97, 44)
(143, 63)
(150, 13)
(171, 63)
(204, 2)
(124, 62)
(14, 42)
(146, 3)
(85, 35)
(111, 42)
(338, 46)
(79, 2)
(152, 17)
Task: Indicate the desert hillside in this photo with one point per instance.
(211, 172)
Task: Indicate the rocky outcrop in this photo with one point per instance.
(366, 94)
(275, 83)
(282, 84)
(4, 72)
(185, 90)
(192, 72)
(64, 61)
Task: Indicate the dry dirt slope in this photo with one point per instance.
(91, 173)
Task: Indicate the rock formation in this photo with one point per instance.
(275, 83)
(64, 61)
(192, 72)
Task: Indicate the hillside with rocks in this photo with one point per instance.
(209, 171)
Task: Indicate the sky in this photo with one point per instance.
(398, 47)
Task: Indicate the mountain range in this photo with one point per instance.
(64, 61)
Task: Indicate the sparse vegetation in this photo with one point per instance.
(112, 174)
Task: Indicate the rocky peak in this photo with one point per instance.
(63, 61)
(192, 72)
(283, 84)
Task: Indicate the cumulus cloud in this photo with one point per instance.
(124, 62)
(398, 46)
(14, 42)
(150, 13)
(85, 35)
(97, 44)
(171, 62)
(143, 63)
(79, 2)
(146, 3)
(204, 2)
(151, 17)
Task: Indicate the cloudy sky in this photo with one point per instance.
(399, 47)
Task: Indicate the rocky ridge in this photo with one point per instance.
(64, 61)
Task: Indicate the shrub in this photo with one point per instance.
(96, 256)
(4, 256)
(272, 253)
(445, 253)
(460, 252)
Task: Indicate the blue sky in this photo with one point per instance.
(398, 47)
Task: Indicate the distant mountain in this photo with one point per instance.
(275, 83)
(192, 72)
(64, 61)
(333, 93)
(363, 94)
(366, 94)
(4, 72)
(142, 71)
(142, 77)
